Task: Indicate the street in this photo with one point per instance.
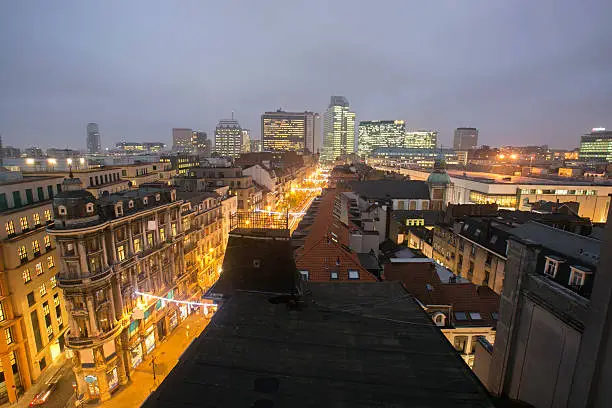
(61, 397)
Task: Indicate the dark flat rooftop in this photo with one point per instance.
(351, 345)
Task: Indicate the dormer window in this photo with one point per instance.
(89, 208)
(119, 209)
(439, 319)
(61, 210)
(578, 275)
(131, 204)
(157, 197)
(145, 200)
(552, 266)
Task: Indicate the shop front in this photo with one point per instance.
(149, 339)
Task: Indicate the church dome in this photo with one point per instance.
(439, 175)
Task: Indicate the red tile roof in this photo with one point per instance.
(324, 252)
(422, 280)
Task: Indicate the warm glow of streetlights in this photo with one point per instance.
(82, 160)
(52, 161)
(513, 156)
(69, 161)
(502, 156)
(30, 161)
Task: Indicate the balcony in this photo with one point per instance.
(85, 279)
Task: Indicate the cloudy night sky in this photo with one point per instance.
(522, 71)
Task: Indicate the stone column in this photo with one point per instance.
(104, 253)
(121, 356)
(91, 312)
(113, 249)
(130, 239)
(83, 258)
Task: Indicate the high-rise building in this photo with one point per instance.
(465, 138)
(422, 139)
(181, 139)
(338, 129)
(246, 141)
(284, 131)
(93, 138)
(228, 137)
(313, 132)
(200, 143)
(379, 133)
(255, 145)
(596, 146)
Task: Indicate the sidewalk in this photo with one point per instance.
(41, 382)
(166, 356)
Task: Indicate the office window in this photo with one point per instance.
(353, 274)
(50, 262)
(121, 253)
(42, 290)
(31, 299)
(304, 275)
(47, 240)
(26, 275)
(39, 268)
(48, 216)
(10, 228)
(8, 334)
(53, 282)
(35, 247)
(23, 253)
(23, 221)
(36, 218)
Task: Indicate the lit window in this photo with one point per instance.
(61, 210)
(475, 316)
(121, 253)
(8, 334)
(23, 221)
(42, 290)
(23, 253)
(39, 268)
(47, 241)
(353, 274)
(334, 275)
(36, 217)
(48, 216)
(53, 282)
(1, 312)
(173, 226)
(89, 208)
(35, 247)
(137, 245)
(162, 234)
(50, 262)
(26, 275)
(46, 308)
(304, 275)
(10, 228)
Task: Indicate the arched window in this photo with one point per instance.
(89, 208)
(62, 210)
(439, 319)
(131, 204)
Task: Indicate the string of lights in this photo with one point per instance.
(184, 302)
(280, 213)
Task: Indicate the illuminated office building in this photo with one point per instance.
(228, 137)
(288, 131)
(379, 133)
(422, 139)
(93, 138)
(596, 146)
(338, 129)
(181, 139)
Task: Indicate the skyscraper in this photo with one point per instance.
(200, 143)
(246, 141)
(181, 139)
(596, 146)
(379, 133)
(338, 129)
(313, 132)
(283, 131)
(422, 139)
(465, 138)
(93, 138)
(228, 137)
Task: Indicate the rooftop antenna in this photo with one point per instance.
(232, 115)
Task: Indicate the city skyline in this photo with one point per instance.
(547, 81)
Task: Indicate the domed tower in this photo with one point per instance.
(440, 184)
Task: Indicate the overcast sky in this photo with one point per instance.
(522, 71)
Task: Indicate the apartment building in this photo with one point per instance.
(32, 314)
(116, 253)
(142, 173)
(97, 181)
(239, 184)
